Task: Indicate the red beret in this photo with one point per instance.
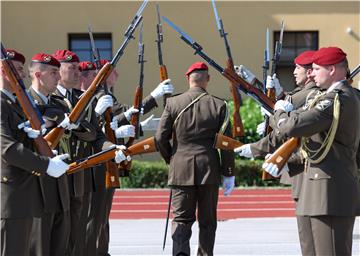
(196, 66)
(14, 55)
(86, 66)
(66, 56)
(328, 56)
(47, 59)
(304, 58)
(103, 62)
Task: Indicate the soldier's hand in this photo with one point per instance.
(114, 123)
(128, 113)
(57, 166)
(260, 129)
(65, 123)
(228, 185)
(244, 151)
(273, 169)
(273, 82)
(119, 154)
(31, 133)
(104, 103)
(125, 131)
(245, 73)
(283, 105)
(164, 87)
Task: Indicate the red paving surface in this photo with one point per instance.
(242, 203)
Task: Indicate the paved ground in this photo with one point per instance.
(247, 236)
(253, 222)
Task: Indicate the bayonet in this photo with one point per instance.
(94, 50)
(238, 127)
(229, 74)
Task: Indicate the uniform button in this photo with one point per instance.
(316, 175)
(5, 179)
(33, 172)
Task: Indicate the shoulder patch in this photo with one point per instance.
(324, 104)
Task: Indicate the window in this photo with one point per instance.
(294, 43)
(80, 44)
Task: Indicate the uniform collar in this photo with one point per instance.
(41, 96)
(197, 89)
(8, 94)
(335, 86)
(63, 90)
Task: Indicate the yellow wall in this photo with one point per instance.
(26, 28)
(33, 27)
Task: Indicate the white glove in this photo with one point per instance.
(245, 73)
(120, 156)
(144, 124)
(273, 82)
(260, 129)
(244, 151)
(125, 131)
(114, 123)
(57, 166)
(228, 184)
(273, 169)
(104, 103)
(163, 88)
(65, 123)
(31, 133)
(283, 105)
(128, 113)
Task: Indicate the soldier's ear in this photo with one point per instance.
(208, 78)
(37, 74)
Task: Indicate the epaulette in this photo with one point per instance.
(174, 95)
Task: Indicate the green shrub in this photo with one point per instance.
(146, 174)
(251, 116)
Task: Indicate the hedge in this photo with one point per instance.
(154, 174)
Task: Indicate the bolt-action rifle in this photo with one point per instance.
(270, 92)
(111, 172)
(229, 74)
(283, 153)
(26, 102)
(159, 40)
(238, 127)
(226, 143)
(55, 134)
(135, 118)
(142, 147)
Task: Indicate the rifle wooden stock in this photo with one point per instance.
(54, 136)
(111, 173)
(238, 127)
(248, 88)
(41, 144)
(225, 142)
(164, 76)
(135, 118)
(142, 147)
(282, 155)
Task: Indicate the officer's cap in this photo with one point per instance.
(329, 56)
(47, 59)
(66, 56)
(305, 58)
(196, 66)
(15, 55)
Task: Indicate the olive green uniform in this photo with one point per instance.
(195, 166)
